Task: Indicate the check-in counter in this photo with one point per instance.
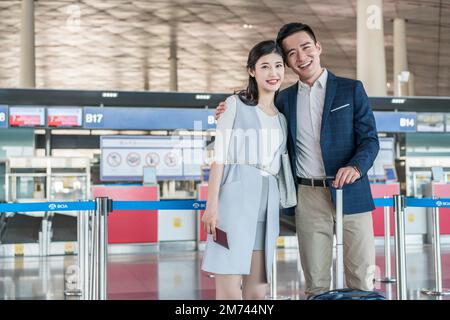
(439, 190)
(380, 190)
(130, 226)
(146, 226)
(415, 217)
(177, 225)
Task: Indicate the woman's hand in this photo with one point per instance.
(210, 220)
(220, 109)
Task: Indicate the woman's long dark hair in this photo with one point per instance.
(250, 95)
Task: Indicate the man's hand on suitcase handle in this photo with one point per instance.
(346, 175)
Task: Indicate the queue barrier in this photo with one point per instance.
(93, 235)
(181, 205)
(91, 205)
(400, 202)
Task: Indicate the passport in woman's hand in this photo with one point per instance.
(221, 238)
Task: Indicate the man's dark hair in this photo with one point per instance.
(291, 28)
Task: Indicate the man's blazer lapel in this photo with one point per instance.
(329, 96)
(292, 97)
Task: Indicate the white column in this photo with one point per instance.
(173, 59)
(146, 71)
(48, 143)
(400, 57)
(173, 67)
(411, 85)
(371, 62)
(27, 58)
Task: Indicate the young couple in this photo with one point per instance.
(326, 124)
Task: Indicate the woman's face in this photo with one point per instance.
(269, 72)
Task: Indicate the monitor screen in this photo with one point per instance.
(390, 173)
(64, 117)
(205, 174)
(27, 116)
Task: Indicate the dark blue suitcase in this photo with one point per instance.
(349, 294)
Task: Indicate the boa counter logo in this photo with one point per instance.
(53, 206)
(442, 203)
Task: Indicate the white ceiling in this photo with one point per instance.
(124, 44)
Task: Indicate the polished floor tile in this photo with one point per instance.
(171, 274)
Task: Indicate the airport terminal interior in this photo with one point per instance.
(116, 99)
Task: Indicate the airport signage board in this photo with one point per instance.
(24, 116)
(64, 117)
(430, 122)
(123, 158)
(396, 121)
(148, 118)
(3, 116)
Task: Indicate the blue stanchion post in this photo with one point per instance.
(80, 252)
(78, 290)
(85, 252)
(400, 249)
(102, 213)
(92, 253)
(438, 290)
(387, 244)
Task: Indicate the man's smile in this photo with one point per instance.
(305, 65)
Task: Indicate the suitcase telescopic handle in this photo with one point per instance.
(339, 269)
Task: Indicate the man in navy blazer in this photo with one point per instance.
(332, 133)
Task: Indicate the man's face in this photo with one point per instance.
(303, 55)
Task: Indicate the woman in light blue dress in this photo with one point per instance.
(243, 197)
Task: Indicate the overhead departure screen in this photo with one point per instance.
(64, 117)
(27, 116)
